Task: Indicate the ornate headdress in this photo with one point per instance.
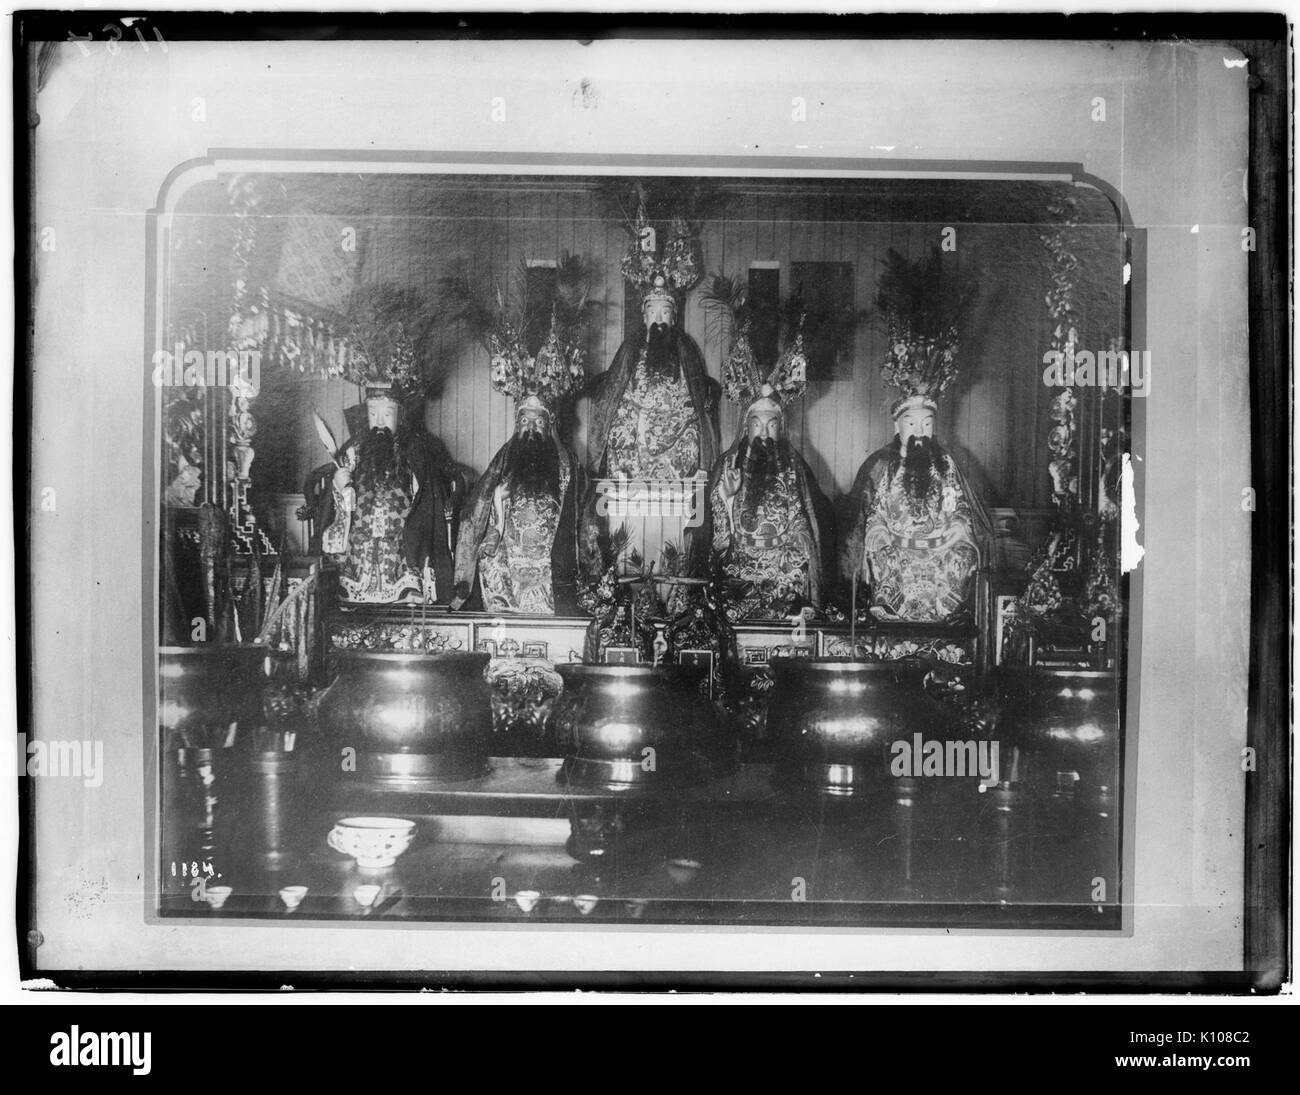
(923, 310)
(743, 382)
(742, 379)
(541, 380)
(382, 392)
(385, 323)
(658, 272)
(534, 381)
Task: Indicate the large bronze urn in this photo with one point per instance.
(1065, 724)
(624, 727)
(413, 718)
(203, 690)
(833, 721)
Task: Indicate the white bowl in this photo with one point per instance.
(586, 902)
(683, 871)
(292, 896)
(216, 895)
(365, 895)
(527, 899)
(372, 841)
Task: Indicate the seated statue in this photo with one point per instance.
(653, 412)
(918, 526)
(768, 521)
(519, 532)
(387, 514)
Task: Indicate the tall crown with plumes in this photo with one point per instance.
(502, 322)
(385, 324)
(553, 373)
(921, 369)
(677, 265)
(743, 381)
(923, 308)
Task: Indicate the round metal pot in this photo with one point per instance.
(413, 718)
(623, 727)
(833, 721)
(202, 690)
(1066, 724)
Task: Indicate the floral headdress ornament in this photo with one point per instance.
(501, 325)
(677, 265)
(743, 381)
(922, 309)
(386, 323)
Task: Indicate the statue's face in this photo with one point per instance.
(763, 422)
(533, 422)
(658, 312)
(382, 413)
(915, 422)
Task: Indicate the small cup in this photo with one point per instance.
(365, 894)
(683, 871)
(636, 907)
(216, 895)
(527, 899)
(292, 896)
(585, 903)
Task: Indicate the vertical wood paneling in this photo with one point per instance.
(996, 415)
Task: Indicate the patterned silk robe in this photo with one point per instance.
(514, 558)
(649, 426)
(917, 560)
(518, 548)
(771, 541)
(655, 434)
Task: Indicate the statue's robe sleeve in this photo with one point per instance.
(862, 500)
(700, 557)
(604, 392)
(318, 491)
(568, 540)
(821, 523)
(977, 515)
(425, 529)
(474, 520)
(704, 397)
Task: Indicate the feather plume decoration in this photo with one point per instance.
(922, 308)
(502, 319)
(388, 327)
(923, 296)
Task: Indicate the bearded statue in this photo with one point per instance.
(918, 526)
(519, 527)
(386, 516)
(654, 412)
(768, 524)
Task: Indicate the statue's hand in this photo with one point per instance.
(342, 477)
(729, 483)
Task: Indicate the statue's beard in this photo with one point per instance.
(660, 358)
(761, 461)
(923, 465)
(533, 466)
(380, 463)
